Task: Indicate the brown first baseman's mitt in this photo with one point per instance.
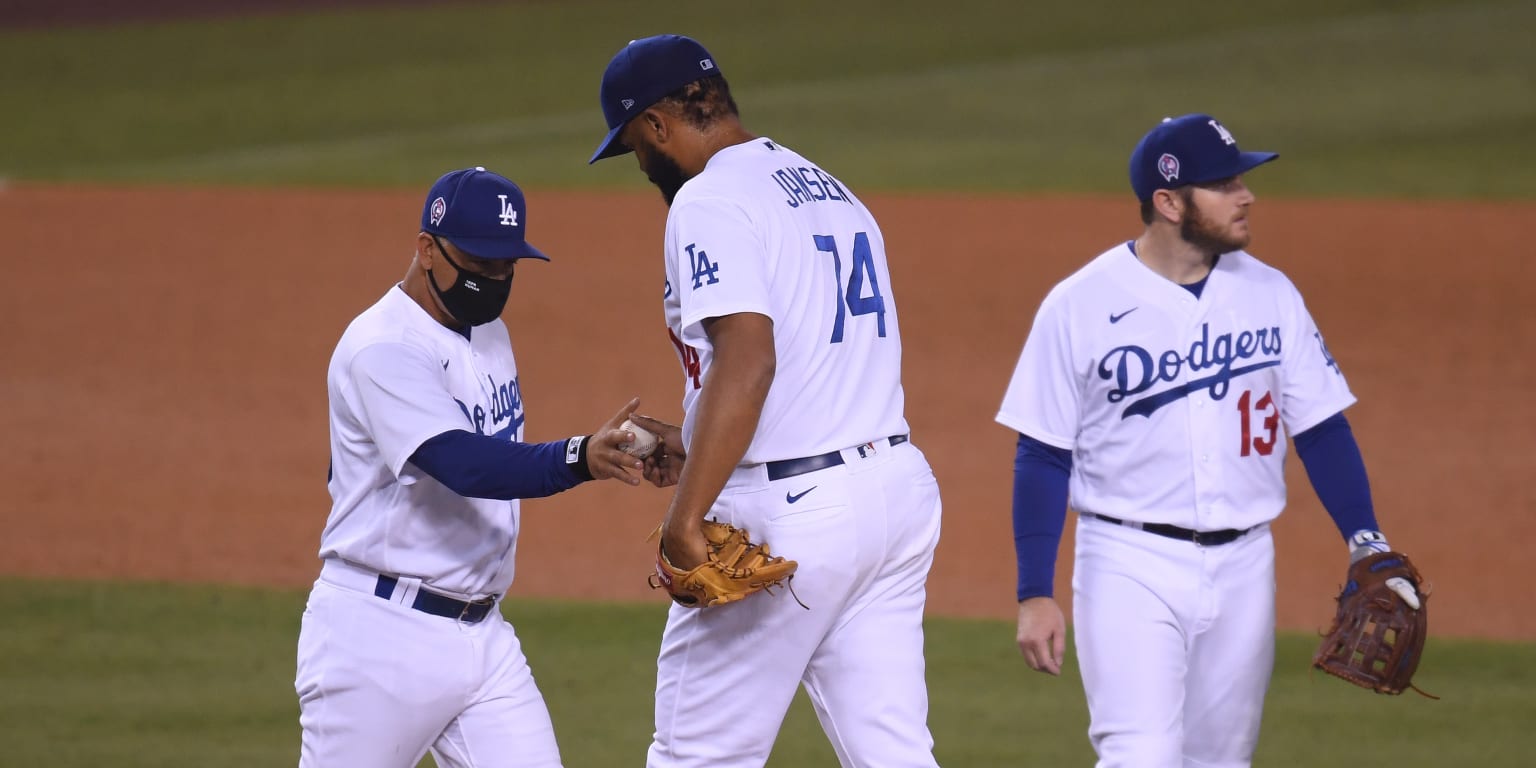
(735, 569)
(1378, 635)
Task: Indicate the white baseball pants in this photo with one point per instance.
(380, 683)
(864, 535)
(1176, 643)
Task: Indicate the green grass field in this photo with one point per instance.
(129, 675)
(1404, 98)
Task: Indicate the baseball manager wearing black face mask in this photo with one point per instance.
(402, 648)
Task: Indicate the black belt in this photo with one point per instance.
(1203, 538)
(467, 611)
(778, 470)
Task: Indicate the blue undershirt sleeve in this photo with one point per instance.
(1337, 471)
(1040, 474)
(483, 467)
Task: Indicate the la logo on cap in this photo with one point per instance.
(508, 212)
(1225, 135)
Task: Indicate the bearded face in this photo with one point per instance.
(661, 169)
(1216, 228)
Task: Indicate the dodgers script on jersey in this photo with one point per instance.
(397, 378)
(802, 250)
(1181, 400)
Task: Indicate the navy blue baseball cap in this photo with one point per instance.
(1191, 149)
(640, 74)
(481, 212)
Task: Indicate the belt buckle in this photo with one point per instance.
(472, 604)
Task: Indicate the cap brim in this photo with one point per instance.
(1245, 162)
(497, 248)
(611, 146)
(1252, 160)
(1240, 165)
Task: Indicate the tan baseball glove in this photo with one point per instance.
(1379, 630)
(735, 569)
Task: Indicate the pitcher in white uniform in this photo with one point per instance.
(779, 302)
(402, 647)
(1163, 379)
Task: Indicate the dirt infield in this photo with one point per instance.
(164, 378)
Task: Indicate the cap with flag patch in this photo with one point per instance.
(1191, 149)
(481, 212)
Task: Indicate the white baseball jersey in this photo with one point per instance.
(397, 378)
(1172, 405)
(764, 230)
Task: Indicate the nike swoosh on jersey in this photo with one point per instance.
(1114, 318)
(794, 497)
(445, 365)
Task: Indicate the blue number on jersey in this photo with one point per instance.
(863, 269)
(703, 268)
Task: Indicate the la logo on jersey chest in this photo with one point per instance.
(1134, 370)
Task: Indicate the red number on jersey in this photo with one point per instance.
(1270, 425)
(689, 357)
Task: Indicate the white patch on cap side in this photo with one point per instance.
(439, 210)
(706, 64)
(1168, 166)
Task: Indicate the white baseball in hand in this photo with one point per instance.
(645, 441)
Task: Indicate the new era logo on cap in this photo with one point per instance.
(481, 212)
(640, 74)
(1191, 149)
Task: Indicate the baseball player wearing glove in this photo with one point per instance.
(778, 300)
(1153, 390)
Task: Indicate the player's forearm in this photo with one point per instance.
(726, 414)
(1337, 471)
(482, 467)
(1040, 474)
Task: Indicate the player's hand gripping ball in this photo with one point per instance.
(645, 441)
(735, 569)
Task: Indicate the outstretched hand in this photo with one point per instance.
(1042, 634)
(606, 458)
(665, 464)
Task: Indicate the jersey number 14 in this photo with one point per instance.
(853, 299)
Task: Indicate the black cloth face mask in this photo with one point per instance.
(472, 299)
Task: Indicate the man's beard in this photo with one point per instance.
(665, 174)
(1207, 236)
